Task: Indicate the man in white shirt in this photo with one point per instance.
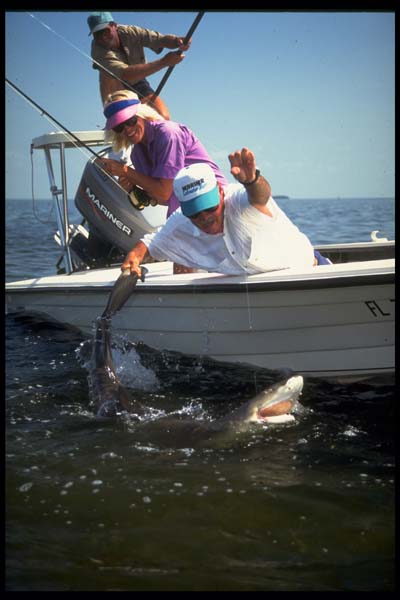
(236, 230)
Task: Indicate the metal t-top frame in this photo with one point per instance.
(60, 141)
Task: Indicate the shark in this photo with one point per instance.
(110, 398)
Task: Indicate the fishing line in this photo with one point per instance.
(126, 84)
(73, 138)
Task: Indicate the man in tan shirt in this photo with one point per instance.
(119, 50)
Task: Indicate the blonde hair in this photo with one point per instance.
(120, 141)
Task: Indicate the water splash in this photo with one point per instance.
(131, 372)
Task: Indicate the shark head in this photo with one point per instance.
(275, 403)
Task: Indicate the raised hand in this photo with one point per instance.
(243, 165)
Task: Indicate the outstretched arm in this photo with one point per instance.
(135, 257)
(243, 168)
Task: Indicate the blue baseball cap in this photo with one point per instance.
(98, 21)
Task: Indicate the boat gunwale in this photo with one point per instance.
(340, 281)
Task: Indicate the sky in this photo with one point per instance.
(310, 93)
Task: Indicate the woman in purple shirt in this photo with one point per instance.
(160, 148)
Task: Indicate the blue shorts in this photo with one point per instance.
(142, 88)
(322, 260)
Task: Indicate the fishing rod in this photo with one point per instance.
(77, 143)
(50, 117)
(139, 198)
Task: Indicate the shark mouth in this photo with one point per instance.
(275, 410)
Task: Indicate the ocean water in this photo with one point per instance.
(94, 505)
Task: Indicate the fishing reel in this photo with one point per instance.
(140, 199)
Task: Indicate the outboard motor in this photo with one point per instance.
(116, 220)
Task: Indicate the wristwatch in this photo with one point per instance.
(254, 180)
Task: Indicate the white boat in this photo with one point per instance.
(332, 321)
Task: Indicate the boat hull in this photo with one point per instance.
(333, 322)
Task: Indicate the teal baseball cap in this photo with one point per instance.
(98, 21)
(196, 188)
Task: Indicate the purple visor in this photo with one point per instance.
(120, 111)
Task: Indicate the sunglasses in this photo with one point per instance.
(207, 211)
(129, 123)
(103, 32)
(99, 34)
